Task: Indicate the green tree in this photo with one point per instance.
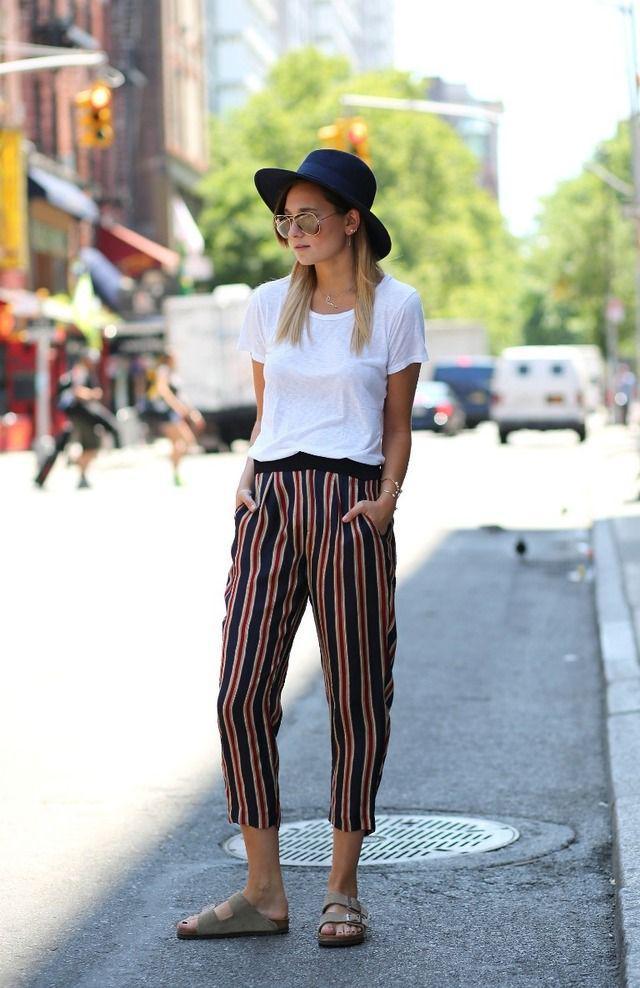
(582, 253)
(449, 238)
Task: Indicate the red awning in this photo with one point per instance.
(132, 253)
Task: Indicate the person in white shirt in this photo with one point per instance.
(336, 350)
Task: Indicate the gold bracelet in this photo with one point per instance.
(384, 490)
(395, 484)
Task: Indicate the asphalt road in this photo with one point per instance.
(113, 813)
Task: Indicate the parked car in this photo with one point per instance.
(470, 379)
(436, 407)
(539, 387)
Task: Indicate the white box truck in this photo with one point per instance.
(451, 338)
(202, 331)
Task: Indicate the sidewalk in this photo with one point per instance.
(617, 561)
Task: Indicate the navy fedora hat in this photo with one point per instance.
(338, 171)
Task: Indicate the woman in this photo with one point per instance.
(336, 351)
(178, 422)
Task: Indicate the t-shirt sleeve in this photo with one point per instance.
(406, 340)
(251, 336)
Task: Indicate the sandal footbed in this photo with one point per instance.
(338, 940)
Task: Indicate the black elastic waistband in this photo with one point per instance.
(309, 461)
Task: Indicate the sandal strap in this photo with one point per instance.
(353, 919)
(245, 918)
(351, 903)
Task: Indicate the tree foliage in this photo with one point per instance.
(449, 238)
(583, 253)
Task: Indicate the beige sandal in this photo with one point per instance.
(246, 921)
(355, 915)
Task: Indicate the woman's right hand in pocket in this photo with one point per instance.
(244, 495)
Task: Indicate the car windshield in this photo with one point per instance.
(433, 390)
(478, 374)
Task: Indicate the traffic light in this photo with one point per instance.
(95, 129)
(358, 137)
(335, 135)
(347, 134)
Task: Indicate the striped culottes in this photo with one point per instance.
(296, 547)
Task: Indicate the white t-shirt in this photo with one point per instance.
(319, 396)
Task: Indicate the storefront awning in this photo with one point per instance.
(185, 228)
(132, 253)
(23, 304)
(108, 281)
(62, 194)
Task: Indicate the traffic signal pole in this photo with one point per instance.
(422, 106)
(42, 57)
(352, 133)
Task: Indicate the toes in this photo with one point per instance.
(188, 925)
(338, 930)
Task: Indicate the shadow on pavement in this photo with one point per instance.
(498, 713)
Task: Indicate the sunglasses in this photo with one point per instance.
(306, 222)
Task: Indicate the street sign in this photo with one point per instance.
(13, 224)
(614, 311)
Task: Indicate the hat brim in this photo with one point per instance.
(272, 182)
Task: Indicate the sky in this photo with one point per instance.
(558, 66)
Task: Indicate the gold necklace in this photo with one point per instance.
(329, 299)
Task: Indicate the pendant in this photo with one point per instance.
(330, 302)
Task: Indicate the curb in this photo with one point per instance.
(621, 669)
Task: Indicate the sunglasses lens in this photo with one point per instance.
(308, 223)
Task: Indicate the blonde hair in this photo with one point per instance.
(294, 317)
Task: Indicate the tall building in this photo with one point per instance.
(242, 44)
(162, 151)
(376, 45)
(87, 203)
(147, 177)
(245, 38)
(38, 107)
(480, 135)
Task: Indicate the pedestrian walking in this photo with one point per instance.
(79, 396)
(625, 387)
(336, 349)
(176, 419)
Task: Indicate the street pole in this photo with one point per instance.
(42, 330)
(635, 156)
(634, 124)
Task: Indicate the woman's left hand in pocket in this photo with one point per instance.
(378, 513)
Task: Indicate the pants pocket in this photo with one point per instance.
(374, 528)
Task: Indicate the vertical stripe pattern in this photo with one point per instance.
(293, 549)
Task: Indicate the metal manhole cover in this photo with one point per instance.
(397, 838)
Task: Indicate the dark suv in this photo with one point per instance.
(470, 378)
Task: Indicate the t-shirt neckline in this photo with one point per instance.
(341, 315)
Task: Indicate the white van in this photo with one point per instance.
(539, 387)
